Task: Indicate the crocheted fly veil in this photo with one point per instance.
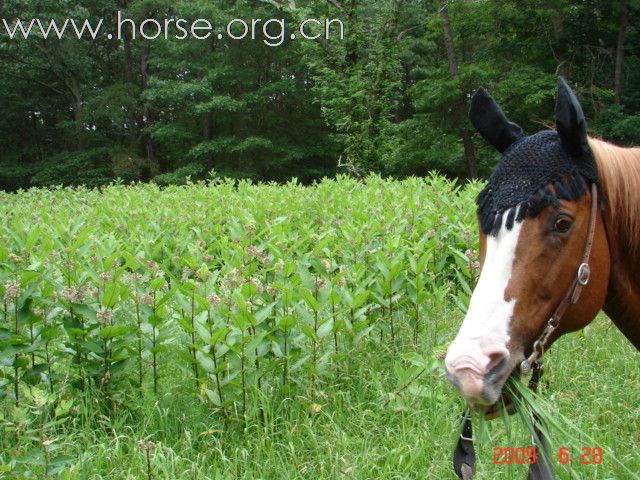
(534, 171)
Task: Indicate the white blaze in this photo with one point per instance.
(486, 324)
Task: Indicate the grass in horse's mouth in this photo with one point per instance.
(504, 404)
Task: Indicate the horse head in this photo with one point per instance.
(537, 216)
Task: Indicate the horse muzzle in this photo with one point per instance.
(481, 376)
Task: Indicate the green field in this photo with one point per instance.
(230, 330)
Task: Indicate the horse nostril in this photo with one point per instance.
(496, 355)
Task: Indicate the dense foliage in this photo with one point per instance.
(390, 98)
(247, 290)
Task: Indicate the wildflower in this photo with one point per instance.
(266, 261)
(186, 273)
(224, 291)
(469, 254)
(132, 277)
(73, 295)
(145, 299)
(258, 284)
(151, 265)
(326, 264)
(15, 258)
(106, 277)
(342, 281)
(202, 244)
(104, 316)
(105, 378)
(55, 254)
(39, 312)
(320, 283)
(272, 291)
(253, 251)
(11, 291)
(207, 258)
(213, 299)
(279, 266)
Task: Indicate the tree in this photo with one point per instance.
(459, 103)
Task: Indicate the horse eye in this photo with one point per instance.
(562, 224)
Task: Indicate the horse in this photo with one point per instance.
(559, 223)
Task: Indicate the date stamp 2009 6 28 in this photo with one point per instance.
(529, 455)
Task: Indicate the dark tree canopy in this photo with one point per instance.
(391, 97)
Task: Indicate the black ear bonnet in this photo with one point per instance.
(535, 171)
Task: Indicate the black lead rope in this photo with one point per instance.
(464, 455)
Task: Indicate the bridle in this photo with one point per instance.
(571, 297)
(464, 454)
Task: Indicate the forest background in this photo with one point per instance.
(391, 97)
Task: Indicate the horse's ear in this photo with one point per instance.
(570, 121)
(491, 122)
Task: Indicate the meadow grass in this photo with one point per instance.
(235, 331)
(349, 431)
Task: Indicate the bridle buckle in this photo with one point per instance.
(584, 273)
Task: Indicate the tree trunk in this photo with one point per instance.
(351, 41)
(448, 40)
(74, 88)
(207, 134)
(469, 150)
(148, 115)
(132, 120)
(622, 31)
(459, 108)
(207, 118)
(132, 123)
